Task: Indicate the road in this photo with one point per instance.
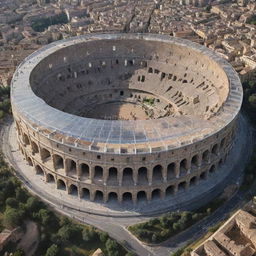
(115, 226)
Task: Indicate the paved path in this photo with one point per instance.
(115, 226)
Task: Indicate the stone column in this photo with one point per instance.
(120, 177)
(188, 165)
(92, 172)
(149, 195)
(177, 169)
(149, 175)
(134, 198)
(164, 173)
(135, 176)
(66, 164)
(105, 176)
(92, 195)
(105, 197)
(78, 170)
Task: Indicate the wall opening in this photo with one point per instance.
(182, 186)
(112, 177)
(30, 161)
(84, 170)
(98, 196)
(98, 172)
(61, 185)
(195, 161)
(141, 196)
(143, 175)
(58, 162)
(45, 154)
(39, 170)
(206, 156)
(112, 197)
(128, 176)
(50, 178)
(192, 181)
(212, 169)
(86, 193)
(156, 194)
(34, 147)
(169, 191)
(127, 197)
(157, 173)
(73, 190)
(171, 171)
(183, 167)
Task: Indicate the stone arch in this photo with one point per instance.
(192, 181)
(58, 162)
(183, 167)
(215, 149)
(71, 167)
(203, 176)
(128, 176)
(141, 196)
(25, 139)
(127, 197)
(85, 193)
(85, 170)
(50, 178)
(157, 173)
(30, 163)
(222, 143)
(171, 171)
(170, 190)
(98, 172)
(156, 194)
(195, 161)
(112, 175)
(182, 186)
(212, 169)
(45, 154)
(34, 147)
(112, 197)
(142, 175)
(98, 196)
(73, 190)
(39, 170)
(61, 184)
(206, 156)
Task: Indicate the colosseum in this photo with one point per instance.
(126, 117)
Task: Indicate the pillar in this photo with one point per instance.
(164, 173)
(149, 175)
(120, 177)
(177, 169)
(135, 176)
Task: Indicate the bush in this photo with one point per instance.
(12, 218)
(111, 247)
(12, 202)
(89, 234)
(52, 251)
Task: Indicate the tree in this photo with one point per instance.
(33, 204)
(52, 251)
(19, 252)
(112, 248)
(103, 237)
(89, 234)
(11, 218)
(12, 202)
(252, 100)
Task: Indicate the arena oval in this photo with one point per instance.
(174, 149)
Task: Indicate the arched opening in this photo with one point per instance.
(170, 190)
(192, 181)
(58, 162)
(157, 173)
(85, 193)
(45, 154)
(143, 175)
(182, 186)
(127, 176)
(25, 139)
(215, 149)
(220, 162)
(30, 161)
(203, 176)
(141, 196)
(71, 167)
(73, 190)
(98, 172)
(206, 156)
(112, 197)
(39, 170)
(195, 161)
(61, 185)
(112, 177)
(84, 170)
(98, 196)
(212, 169)
(50, 178)
(127, 197)
(156, 194)
(34, 148)
(183, 167)
(171, 171)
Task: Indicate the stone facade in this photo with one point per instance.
(118, 159)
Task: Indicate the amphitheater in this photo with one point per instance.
(126, 117)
